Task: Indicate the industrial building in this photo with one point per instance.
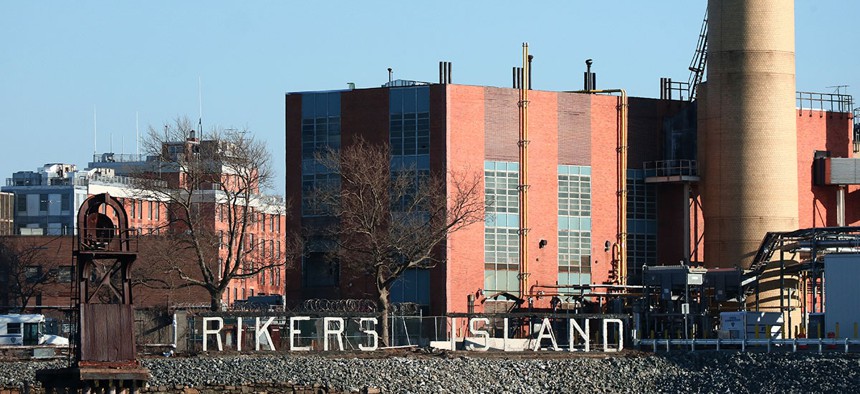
(699, 176)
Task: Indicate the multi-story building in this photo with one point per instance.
(265, 238)
(7, 213)
(573, 190)
(47, 202)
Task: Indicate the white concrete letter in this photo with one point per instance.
(295, 332)
(545, 326)
(505, 336)
(371, 332)
(480, 333)
(215, 331)
(238, 334)
(453, 333)
(582, 334)
(263, 331)
(620, 335)
(338, 332)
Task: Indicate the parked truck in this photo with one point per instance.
(27, 330)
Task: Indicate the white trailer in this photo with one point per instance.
(26, 330)
(751, 325)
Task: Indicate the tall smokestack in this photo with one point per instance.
(748, 138)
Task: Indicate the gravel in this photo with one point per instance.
(699, 372)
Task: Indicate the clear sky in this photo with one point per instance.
(59, 60)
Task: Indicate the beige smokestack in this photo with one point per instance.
(749, 132)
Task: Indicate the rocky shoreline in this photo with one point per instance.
(414, 372)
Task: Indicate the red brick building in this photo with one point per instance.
(573, 188)
(154, 216)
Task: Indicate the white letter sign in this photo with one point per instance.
(371, 332)
(215, 331)
(337, 332)
(295, 332)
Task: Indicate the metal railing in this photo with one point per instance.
(794, 345)
(671, 168)
(118, 157)
(825, 102)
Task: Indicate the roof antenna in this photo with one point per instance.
(95, 131)
(200, 103)
(390, 74)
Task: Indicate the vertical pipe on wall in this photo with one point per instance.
(524, 184)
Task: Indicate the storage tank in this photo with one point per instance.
(748, 143)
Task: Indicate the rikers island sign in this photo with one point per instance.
(479, 339)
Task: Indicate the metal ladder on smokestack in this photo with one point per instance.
(700, 60)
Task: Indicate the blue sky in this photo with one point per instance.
(60, 59)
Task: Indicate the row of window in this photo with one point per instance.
(44, 202)
(270, 246)
(136, 211)
(259, 220)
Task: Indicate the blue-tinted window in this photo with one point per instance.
(501, 229)
(574, 225)
(641, 225)
(320, 132)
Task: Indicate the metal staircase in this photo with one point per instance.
(699, 61)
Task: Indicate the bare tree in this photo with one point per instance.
(29, 266)
(391, 221)
(204, 182)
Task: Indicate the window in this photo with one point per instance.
(409, 122)
(272, 223)
(133, 209)
(149, 216)
(263, 277)
(65, 273)
(641, 225)
(33, 273)
(320, 131)
(220, 239)
(279, 249)
(158, 211)
(43, 202)
(319, 267)
(501, 232)
(574, 225)
(140, 209)
(22, 203)
(65, 202)
(13, 328)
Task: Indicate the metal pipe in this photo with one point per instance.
(621, 169)
(524, 165)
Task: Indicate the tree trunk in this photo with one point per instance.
(385, 305)
(215, 300)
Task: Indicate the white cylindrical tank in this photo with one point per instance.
(748, 128)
